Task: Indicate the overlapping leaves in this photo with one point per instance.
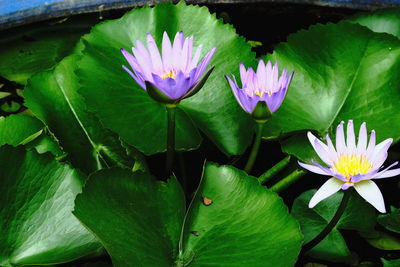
(36, 200)
(342, 71)
(232, 221)
(126, 108)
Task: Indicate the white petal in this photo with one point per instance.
(321, 149)
(331, 148)
(329, 188)
(371, 144)
(383, 146)
(386, 173)
(340, 143)
(313, 168)
(371, 193)
(351, 138)
(362, 138)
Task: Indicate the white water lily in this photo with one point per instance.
(351, 164)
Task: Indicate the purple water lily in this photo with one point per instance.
(174, 75)
(265, 85)
(351, 164)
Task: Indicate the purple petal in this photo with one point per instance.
(361, 177)
(154, 54)
(137, 79)
(331, 148)
(196, 57)
(238, 93)
(177, 48)
(313, 168)
(371, 145)
(380, 153)
(166, 52)
(167, 85)
(340, 143)
(182, 85)
(329, 188)
(327, 170)
(371, 193)
(321, 149)
(144, 61)
(362, 139)
(351, 138)
(346, 186)
(386, 173)
(243, 74)
(204, 63)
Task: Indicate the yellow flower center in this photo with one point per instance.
(352, 164)
(261, 92)
(170, 74)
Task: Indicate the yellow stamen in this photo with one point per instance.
(170, 74)
(261, 92)
(352, 164)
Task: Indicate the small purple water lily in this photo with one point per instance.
(173, 76)
(351, 164)
(265, 86)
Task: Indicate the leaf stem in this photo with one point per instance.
(331, 224)
(256, 147)
(170, 139)
(287, 181)
(266, 176)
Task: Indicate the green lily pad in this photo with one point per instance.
(125, 108)
(19, 129)
(27, 50)
(382, 20)
(358, 215)
(390, 263)
(384, 241)
(342, 71)
(52, 96)
(36, 199)
(232, 220)
(136, 218)
(391, 221)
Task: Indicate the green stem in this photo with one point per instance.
(170, 139)
(266, 176)
(331, 224)
(255, 148)
(287, 181)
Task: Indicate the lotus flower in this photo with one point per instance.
(351, 164)
(264, 86)
(173, 76)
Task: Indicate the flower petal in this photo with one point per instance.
(351, 138)
(154, 54)
(340, 143)
(371, 144)
(371, 193)
(204, 63)
(137, 78)
(362, 139)
(386, 173)
(329, 188)
(314, 169)
(321, 149)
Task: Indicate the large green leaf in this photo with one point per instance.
(245, 225)
(137, 219)
(342, 71)
(391, 221)
(30, 49)
(390, 263)
(19, 129)
(36, 199)
(53, 97)
(127, 109)
(232, 221)
(358, 215)
(382, 20)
